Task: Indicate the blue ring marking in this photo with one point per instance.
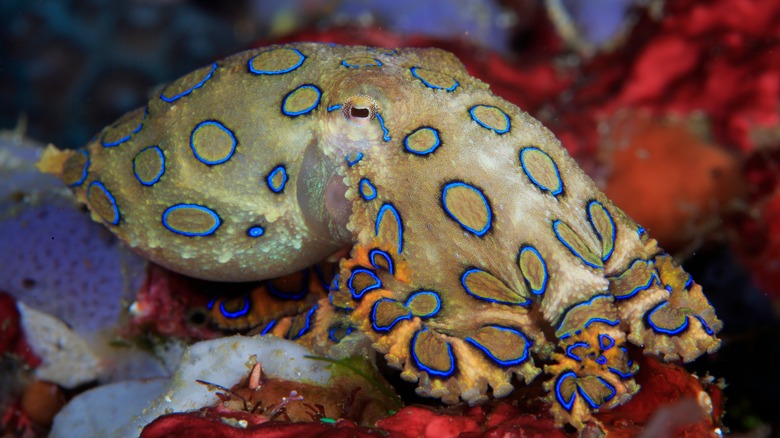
(255, 231)
(688, 282)
(608, 385)
(352, 161)
(668, 332)
(381, 215)
(268, 327)
(348, 65)
(321, 277)
(704, 325)
(210, 305)
(537, 183)
(121, 140)
(481, 232)
(337, 307)
(640, 288)
(668, 288)
(378, 252)
(541, 290)
(572, 347)
(392, 323)
(305, 110)
(482, 124)
(429, 85)
(428, 151)
(569, 247)
(84, 171)
(584, 303)
(334, 107)
(217, 220)
(334, 283)
(431, 371)
(162, 166)
(110, 197)
(220, 126)
(359, 294)
(479, 297)
(590, 401)
(141, 123)
(606, 321)
(367, 190)
(386, 136)
(193, 88)
(276, 72)
(295, 295)
(625, 351)
(587, 398)
(601, 360)
(640, 231)
(238, 313)
(620, 373)
(606, 342)
(426, 292)
(332, 333)
(510, 362)
(307, 326)
(566, 404)
(605, 257)
(127, 137)
(270, 178)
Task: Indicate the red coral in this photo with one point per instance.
(415, 421)
(719, 57)
(9, 330)
(760, 249)
(18, 402)
(664, 60)
(12, 339)
(669, 404)
(165, 303)
(499, 420)
(207, 424)
(699, 180)
(666, 385)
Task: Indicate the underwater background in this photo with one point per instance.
(672, 107)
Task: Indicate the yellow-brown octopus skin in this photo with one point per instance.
(480, 250)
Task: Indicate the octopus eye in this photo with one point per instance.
(359, 109)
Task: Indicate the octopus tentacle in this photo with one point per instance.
(406, 327)
(271, 300)
(592, 372)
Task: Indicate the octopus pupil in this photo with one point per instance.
(360, 112)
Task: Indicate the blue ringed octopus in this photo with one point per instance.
(482, 257)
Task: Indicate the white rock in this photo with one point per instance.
(223, 361)
(102, 411)
(66, 358)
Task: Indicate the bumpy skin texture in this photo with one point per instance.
(480, 250)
